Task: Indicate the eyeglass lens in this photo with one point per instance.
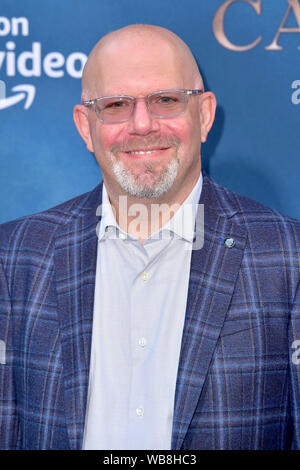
(160, 104)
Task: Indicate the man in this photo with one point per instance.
(118, 334)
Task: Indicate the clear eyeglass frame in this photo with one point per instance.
(94, 103)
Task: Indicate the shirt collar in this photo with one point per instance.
(182, 223)
(108, 219)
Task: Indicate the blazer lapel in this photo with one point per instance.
(75, 265)
(213, 274)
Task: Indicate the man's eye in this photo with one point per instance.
(116, 104)
(166, 100)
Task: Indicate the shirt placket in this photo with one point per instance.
(144, 320)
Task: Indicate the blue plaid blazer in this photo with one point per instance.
(238, 381)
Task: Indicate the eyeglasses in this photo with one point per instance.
(161, 104)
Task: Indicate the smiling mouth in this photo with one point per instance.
(146, 152)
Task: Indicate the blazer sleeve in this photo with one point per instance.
(8, 410)
(294, 344)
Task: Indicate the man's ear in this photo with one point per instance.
(208, 106)
(80, 116)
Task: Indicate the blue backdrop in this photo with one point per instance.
(254, 145)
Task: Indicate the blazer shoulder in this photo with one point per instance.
(233, 203)
(41, 227)
(253, 215)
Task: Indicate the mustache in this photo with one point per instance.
(134, 144)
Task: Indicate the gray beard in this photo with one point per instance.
(134, 187)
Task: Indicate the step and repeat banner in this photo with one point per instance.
(249, 55)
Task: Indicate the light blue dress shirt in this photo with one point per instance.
(139, 310)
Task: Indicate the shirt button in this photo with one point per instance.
(145, 276)
(140, 411)
(142, 342)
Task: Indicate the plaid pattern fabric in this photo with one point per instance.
(237, 385)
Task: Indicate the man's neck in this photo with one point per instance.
(141, 217)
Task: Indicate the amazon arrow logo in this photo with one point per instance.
(22, 92)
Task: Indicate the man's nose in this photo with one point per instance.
(142, 122)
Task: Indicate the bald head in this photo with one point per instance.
(138, 49)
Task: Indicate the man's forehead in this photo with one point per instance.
(137, 61)
(134, 52)
(144, 70)
(150, 53)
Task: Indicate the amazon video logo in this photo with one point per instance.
(2, 90)
(24, 92)
(30, 63)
